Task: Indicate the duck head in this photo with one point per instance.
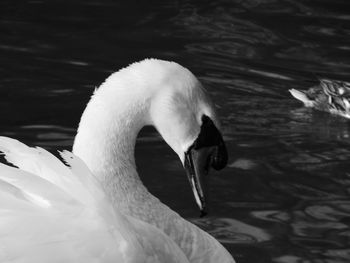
(185, 117)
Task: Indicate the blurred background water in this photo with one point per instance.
(285, 196)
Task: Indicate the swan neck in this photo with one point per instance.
(106, 141)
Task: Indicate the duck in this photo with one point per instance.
(330, 96)
(92, 206)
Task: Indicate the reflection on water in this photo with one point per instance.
(285, 194)
(228, 230)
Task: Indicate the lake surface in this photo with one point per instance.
(285, 195)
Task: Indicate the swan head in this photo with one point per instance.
(184, 115)
(162, 94)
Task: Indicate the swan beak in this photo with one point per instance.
(207, 151)
(197, 165)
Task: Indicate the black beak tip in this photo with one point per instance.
(203, 213)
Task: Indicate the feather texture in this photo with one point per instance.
(53, 213)
(96, 209)
(330, 96)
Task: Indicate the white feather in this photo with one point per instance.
(45, 215)
(65, 214)
(302, 97)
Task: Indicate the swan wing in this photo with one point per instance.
(53, 213)
(35, 229)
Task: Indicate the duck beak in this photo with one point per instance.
(197, 164)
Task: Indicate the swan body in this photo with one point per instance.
(54, 213)
(103, 211)
(330, 96)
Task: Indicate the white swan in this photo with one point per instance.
(123, 221)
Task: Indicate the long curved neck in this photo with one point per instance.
(106, 139)
(105, 142)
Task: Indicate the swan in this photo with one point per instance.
(330, 95)
(97, 203)
(52, 213)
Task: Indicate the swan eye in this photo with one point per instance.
(210, 136)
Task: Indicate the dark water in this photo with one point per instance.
(285, 196)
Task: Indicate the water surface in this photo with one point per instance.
(285, 194)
